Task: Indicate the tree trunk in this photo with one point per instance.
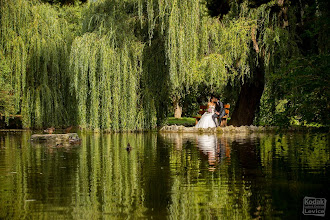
(249, 98)
(177, 108)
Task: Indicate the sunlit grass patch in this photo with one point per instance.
(181, 121)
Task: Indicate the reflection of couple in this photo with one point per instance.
(208, 145)
(215, 111)
(212, 148)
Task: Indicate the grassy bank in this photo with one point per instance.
(187, 122)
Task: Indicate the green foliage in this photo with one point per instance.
(7, 104)
(198, 49)
(298, 79)
(117, 65)
(181, 121)
(107, 67)
(35, 42)
(302, 93)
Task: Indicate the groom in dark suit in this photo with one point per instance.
(219, 111)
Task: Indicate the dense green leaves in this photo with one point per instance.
(118, 65)
(7, 103)
(299, 93)
(35, 44)
(298, 82)
(107, 68)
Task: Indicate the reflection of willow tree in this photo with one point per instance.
(281, 161)
(155, 178)
(13, 185)
(198, 193)
(97, 179)
(313, 153)
(35, 174)
(100, 179)
(251, 183)
(108, 178)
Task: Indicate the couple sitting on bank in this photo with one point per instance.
(214, 114)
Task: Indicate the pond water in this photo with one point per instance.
(175, 176)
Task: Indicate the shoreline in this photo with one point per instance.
(241, 129)
(183, 129)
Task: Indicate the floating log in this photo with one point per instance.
(58, 138)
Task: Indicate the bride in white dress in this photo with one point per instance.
(206, 120)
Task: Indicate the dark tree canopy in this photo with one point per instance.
(222, 7)
(64, 2)
(218, 7)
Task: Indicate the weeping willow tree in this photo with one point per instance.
(235, 48)
(106, 62)
(116, 65)
(199, 49)
(35, 43)
(241, 47)
(246, 45)
(106, 83)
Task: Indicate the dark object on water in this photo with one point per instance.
(128, 148)
(49, 130)
(68, 129)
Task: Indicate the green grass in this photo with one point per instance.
(181, 121)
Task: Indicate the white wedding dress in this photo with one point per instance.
(206, 120)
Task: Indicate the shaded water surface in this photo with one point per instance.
(176, 176)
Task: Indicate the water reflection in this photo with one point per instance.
(208, 145)
(177, 176)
